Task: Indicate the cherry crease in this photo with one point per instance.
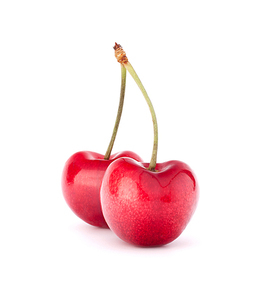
(81, 181)
(148, 208)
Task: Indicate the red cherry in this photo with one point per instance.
(81, 181)
(148, 208)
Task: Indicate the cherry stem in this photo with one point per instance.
(153, 160)
(117, 122)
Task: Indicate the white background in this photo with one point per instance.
(205, 65)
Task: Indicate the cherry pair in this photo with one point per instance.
(146, 204)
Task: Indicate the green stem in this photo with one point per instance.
(115, 130)
(153, 160)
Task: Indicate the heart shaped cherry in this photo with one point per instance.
(147, 204)
(148, 208)
(83, 173)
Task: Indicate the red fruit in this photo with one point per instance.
(148, 208)
(81, 181)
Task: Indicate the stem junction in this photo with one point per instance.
(123, 60)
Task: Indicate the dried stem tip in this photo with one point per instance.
(120, 54)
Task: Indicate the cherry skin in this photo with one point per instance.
(148, 208)
(81, 181)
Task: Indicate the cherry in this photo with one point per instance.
(147, 204)
(148, 208)
(83, 173)
(81, 182)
